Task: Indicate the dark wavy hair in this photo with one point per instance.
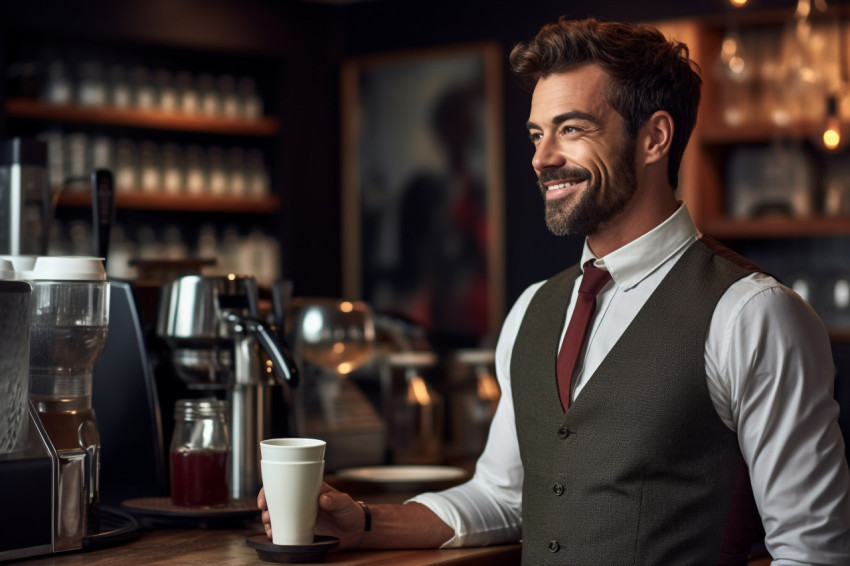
(645, 72)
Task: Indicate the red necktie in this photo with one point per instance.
(592, 281)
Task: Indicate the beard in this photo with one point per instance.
(583, 213)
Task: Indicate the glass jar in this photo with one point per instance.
(199, 452)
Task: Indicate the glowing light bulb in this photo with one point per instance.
(832, 137)
(738, 3)
(832, 129)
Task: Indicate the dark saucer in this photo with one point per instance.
(293, 554)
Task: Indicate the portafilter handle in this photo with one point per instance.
(282, 361)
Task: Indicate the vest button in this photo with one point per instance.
(558, 489)
(554, 546)
(563, 432)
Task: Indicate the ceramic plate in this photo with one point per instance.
(402, 474)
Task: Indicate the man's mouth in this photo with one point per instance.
(562, 185)
(561, 188)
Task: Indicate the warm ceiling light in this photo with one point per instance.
(738, 3)
(831, 137)
(832, 128)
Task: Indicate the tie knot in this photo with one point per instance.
(594, 279)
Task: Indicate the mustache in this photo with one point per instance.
(562, 173)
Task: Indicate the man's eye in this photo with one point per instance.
(571, 129)
(535, 137)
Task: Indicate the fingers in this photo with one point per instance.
(261, 499)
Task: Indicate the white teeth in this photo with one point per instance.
(561, 186)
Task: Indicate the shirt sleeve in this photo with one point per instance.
(487, 509)
(780, 374)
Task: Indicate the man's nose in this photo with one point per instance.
(546, 155)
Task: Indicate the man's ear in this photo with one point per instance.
(657, 136)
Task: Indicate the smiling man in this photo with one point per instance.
(675, 410)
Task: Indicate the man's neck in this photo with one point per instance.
(639, 217)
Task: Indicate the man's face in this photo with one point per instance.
(583, 158)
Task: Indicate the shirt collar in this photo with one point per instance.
(632, 263)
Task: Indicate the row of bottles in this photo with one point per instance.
(90, 82)
(167, 168)
(246, 252)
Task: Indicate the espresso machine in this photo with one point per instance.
(214, 343)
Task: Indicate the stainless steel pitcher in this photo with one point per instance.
(214, 335)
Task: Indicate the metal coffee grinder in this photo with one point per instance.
(67, 327)
(215, 344)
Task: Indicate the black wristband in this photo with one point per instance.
(367, 516)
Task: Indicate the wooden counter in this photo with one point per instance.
(214, 547)
(194, 547)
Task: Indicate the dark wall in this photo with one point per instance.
(304, 44)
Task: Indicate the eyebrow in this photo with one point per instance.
(561, 118)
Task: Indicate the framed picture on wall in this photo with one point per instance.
(423, 190)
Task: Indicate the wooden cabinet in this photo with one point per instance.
(264, 127)
(704, 179)
(190, 136)
(766, 138)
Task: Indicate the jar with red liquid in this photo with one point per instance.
(200, 447)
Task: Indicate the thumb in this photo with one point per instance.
(333, 501)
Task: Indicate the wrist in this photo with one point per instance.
(367, 517)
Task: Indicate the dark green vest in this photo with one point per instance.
(640, 470)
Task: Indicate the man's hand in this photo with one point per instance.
(339, 516)
(393, 525)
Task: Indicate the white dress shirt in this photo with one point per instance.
(770, 376)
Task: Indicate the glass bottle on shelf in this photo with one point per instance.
(236, 172)
(251, 106)
(207, 242)
(175, 246)
(172, 169)
(58, 87)
(150, 169)
(218, 177)
(229, 99)
(196, 181)
(166, 92)
(102, 153)
(258, 177)
(187, 93)
(208, 96)
(126, 178)
(91, 87)
(55, 157)
(120, 93)
(78, 167)
(144, 95)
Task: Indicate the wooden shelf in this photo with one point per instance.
(777, 227)
(145, 201)
(150, 119)
(717, 133)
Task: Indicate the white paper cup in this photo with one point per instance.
(292, 495)
(292, 449)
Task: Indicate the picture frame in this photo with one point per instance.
(422, 188)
